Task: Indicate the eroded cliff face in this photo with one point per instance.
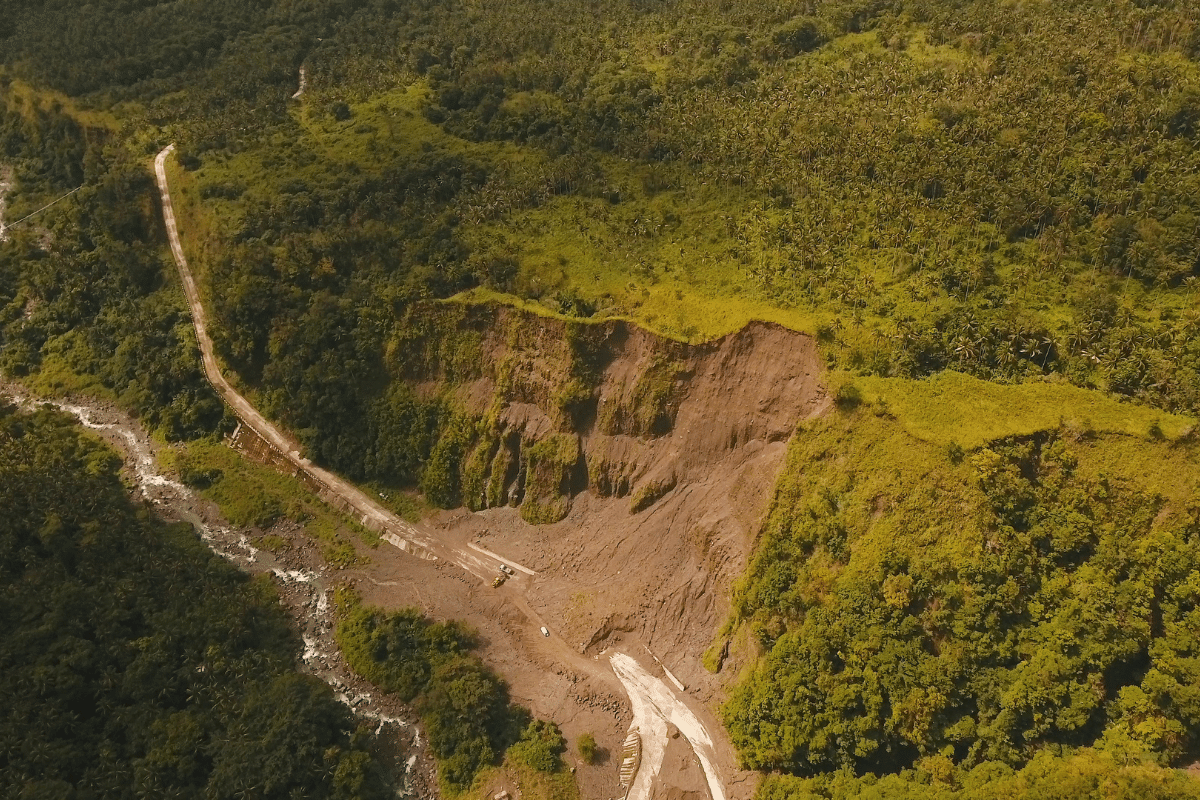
(631, 471)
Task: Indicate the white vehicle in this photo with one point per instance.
(545, 632)
(506, 569)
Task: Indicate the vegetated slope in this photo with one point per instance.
(617, 173)
(1085, 775)
(325, 225)
(83, 296)
(922, 606)
(134, 660)
(1052, 230)
(464, 706)
(45, 145)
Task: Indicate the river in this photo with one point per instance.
(305, 591)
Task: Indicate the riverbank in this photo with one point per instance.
(302, 580)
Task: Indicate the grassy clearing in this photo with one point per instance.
(531, 783)
(952, 408)
(315, 147)
(28, 97)
(1169, 469)
(64, 370)
(251, 494)
(666, 256)
(668, 260)
(387, 127)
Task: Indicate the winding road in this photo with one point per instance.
(655, 704)
(395, 530)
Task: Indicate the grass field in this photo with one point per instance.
(251, 494)
(954, 408)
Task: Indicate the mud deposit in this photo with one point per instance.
(304, 585)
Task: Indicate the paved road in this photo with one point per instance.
(656, 701)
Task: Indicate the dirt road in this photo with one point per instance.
(657, 701)
(481, 564)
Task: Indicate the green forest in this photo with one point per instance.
(922, 607)
(960, 193)
(134, 662)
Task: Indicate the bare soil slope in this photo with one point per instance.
(679, 447)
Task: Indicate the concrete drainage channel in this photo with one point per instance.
(655, 707)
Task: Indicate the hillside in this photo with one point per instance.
(859, 334)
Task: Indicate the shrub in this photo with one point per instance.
(587, 748)
(847, 396)
(540, 746)
(798, 36)
(463, 705)
(650, 493)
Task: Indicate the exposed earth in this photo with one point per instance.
(657, 578)
(633, 599)
(613, 580)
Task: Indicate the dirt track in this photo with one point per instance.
(528, 657)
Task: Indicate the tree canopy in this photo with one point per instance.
(134, 661)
